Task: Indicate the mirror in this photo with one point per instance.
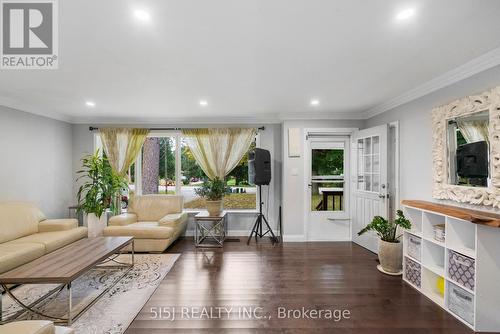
(469, 150)
(466, 149)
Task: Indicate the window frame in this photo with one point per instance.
(177, 134)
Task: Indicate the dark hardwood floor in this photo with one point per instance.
(264, 280)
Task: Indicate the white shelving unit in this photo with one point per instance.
(479, 243)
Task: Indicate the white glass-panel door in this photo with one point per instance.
(370, 196)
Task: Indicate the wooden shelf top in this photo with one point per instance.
(474, 216)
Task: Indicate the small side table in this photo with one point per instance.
(210, 231)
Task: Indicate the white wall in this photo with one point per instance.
(239, 223)
(293, 186)
(36, 161)
(416, 131)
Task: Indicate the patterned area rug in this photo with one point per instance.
(114, 312)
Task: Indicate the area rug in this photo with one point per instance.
(116, 310)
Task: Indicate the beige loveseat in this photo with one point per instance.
(34, 327)
(155, 221)
(25, 234)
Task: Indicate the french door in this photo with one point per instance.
(370, 188)
(328, 188)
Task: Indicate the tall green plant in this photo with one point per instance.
(386, 230)
(114, 184)
(99, 185)
(212, 190)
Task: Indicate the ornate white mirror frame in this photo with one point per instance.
(490, 196)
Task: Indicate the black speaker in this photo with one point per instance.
(259, 167)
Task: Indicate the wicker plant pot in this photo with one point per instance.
(390, 255)
(214, 208)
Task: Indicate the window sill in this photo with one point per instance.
(235, 211)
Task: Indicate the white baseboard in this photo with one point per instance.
(302, 238)
(327, 240)
(294, 238)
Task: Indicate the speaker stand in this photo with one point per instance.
(257, 227)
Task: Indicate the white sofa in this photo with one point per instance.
(25, 234)
(155, 222)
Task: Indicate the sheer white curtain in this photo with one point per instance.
(474, 131)
(218, 151)
(122, 145)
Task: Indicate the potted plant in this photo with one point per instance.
(213, 192)
(114, 184)
(99, 185)
(390, 249)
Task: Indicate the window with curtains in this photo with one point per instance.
(166, 166)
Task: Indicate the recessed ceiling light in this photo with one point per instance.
(405, 14)
(314, 102)
(90, 104)
(142, 15)
(203, 103)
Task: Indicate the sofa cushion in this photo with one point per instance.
(54, 240)
(155, 207)
(52, 225)
(142, 230)
(173, 219)
(18, 219)
(123, 219)
(13, 254)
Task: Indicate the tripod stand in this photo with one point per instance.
(257, 227)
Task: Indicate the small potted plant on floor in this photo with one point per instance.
(213, 192)
(390, 249)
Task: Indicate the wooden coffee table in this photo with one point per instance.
(62, 267)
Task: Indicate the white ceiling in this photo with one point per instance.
(250, 59)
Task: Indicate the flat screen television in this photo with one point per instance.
(472, 160)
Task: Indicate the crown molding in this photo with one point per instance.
(322, 115)
(475, 66)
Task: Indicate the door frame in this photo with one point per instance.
(397, 181)
(307, 155)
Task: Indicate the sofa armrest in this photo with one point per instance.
(123, 219)
(53, 225)
(173, 219)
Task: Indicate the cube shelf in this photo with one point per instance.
(415, 217)
(428, 222)
(430, 264)
(461, 236)
(430, 286)
(433, 257)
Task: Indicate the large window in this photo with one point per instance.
(167, 166)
